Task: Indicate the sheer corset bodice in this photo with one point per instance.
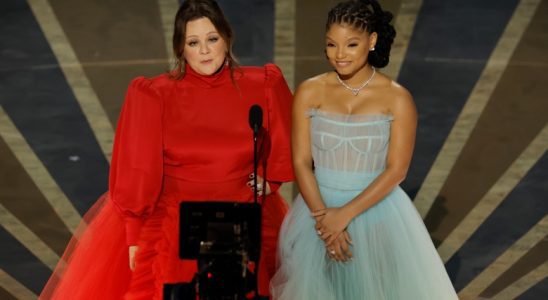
(349, 143)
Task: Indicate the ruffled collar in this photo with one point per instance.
(208, 81)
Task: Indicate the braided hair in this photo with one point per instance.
(367, 15)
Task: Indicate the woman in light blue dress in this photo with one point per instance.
(353, 233)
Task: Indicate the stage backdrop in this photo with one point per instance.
(477, 70)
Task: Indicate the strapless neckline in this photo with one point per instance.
(325, 112)
(349, 119)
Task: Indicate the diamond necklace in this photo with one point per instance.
(357, 90)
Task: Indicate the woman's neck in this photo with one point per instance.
(358, 77)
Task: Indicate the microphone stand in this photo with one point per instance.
(255, 162)
(256, 127)
(255, 121)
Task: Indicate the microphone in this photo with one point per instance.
(255, 118)
(255, 122)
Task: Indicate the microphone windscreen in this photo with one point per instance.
(255, 117)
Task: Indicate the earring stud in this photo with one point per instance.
(372, 49)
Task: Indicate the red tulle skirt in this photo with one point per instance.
(95, 264)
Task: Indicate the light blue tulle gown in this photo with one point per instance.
(394, 257)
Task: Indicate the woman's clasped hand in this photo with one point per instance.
(331, 224)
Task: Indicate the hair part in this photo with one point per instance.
(366, 16)
(192, 10)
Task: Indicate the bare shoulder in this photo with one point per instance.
(399, 98)
(310, 91)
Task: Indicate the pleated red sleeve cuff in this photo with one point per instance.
(133, 229)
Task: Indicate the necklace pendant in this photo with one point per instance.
(356, 91)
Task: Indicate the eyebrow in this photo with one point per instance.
(348, 39)
(206, 34)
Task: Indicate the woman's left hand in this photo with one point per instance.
(331, 222)
(260, 185)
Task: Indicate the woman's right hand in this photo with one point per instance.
(132, 251)
(339, 249)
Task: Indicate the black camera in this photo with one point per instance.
(225, 239)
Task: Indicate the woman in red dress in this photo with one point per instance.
(180, 136)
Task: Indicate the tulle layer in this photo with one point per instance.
(394, 257)
(95, 264)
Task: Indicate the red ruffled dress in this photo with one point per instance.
(177, 140)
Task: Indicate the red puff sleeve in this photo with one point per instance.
(136, 170)
(279, 99)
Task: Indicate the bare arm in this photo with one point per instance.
(301, 148)
(400, 152)
(302, 164)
